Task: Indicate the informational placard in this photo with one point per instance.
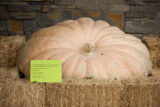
(46, 71)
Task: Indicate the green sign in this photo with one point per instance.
(46, 71)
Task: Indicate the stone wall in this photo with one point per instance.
(26, 16)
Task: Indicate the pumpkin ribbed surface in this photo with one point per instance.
(87, 48)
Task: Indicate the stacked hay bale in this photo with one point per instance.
(8, 74)
(8, 49)
(16, 92)
(142, 92)
(135, 92)
(83, 92)
(153, 44)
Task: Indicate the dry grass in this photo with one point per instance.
(8, 49)
(15, 92)
(153, 44)
(135, 92)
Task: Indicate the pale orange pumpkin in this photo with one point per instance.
(87, 48)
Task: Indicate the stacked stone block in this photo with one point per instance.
(26, 16)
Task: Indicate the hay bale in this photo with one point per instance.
(20, 93)
(8, 74)
(153, 44)
(142, 92)
(15, 92)
(8, 49)
(83, 93)
(135, 92)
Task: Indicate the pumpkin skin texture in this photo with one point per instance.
(87, 48)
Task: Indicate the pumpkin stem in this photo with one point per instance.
(87, 48)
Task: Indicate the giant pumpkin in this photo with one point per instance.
(87, 48)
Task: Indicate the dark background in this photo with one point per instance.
(23, 17)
